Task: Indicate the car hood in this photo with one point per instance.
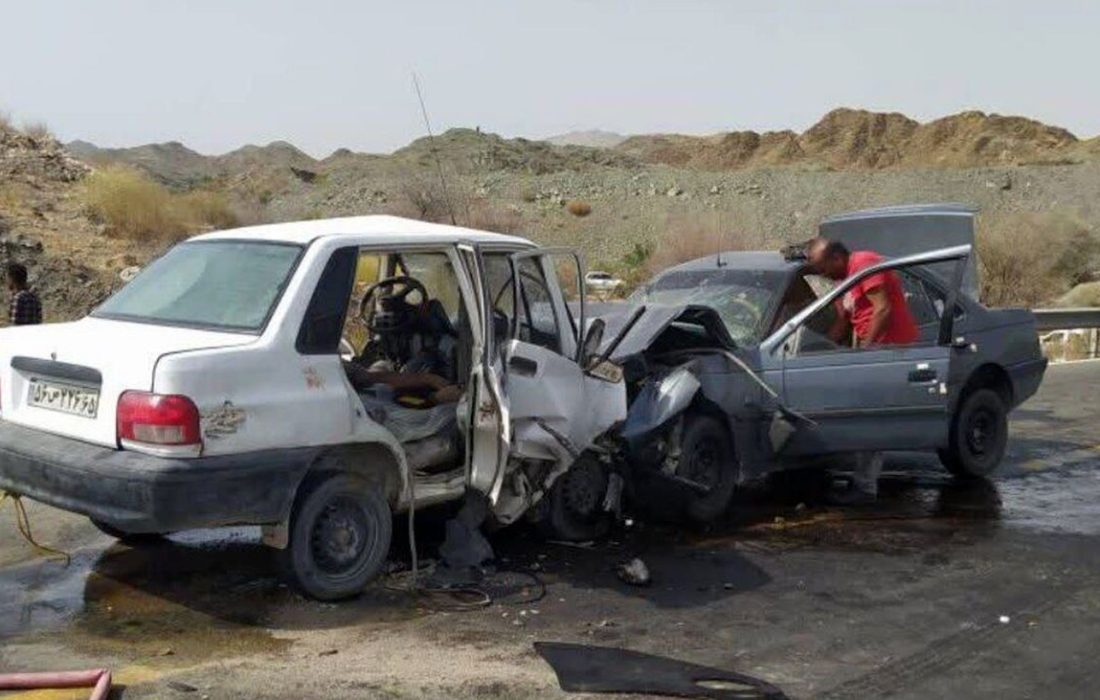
(632, 329)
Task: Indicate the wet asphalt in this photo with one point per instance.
(940, 590)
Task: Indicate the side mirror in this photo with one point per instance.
(592, 340)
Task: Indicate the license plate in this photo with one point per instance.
(66, 398)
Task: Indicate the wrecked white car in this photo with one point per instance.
(312, 378)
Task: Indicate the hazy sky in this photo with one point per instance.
(216, 74)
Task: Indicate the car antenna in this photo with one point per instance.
(718, 223)
(435, 153)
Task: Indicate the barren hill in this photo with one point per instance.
(851, 139)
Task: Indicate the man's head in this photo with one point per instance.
(828, 258)
(17, 276)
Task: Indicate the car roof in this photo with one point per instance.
(741, 260)
(380, 228)
(938, 209)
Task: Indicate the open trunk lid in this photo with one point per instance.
(80, 369)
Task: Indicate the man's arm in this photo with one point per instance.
(880, 315)
(840, 327)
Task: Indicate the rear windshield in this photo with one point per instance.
(221, 285)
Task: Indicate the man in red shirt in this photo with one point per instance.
(875, 307)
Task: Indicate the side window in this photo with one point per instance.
(368, 270)
(323, 323)
(536, 318)
(842, 324)
(498, 281)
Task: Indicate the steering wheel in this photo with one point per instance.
(397, 313)
(746, 309)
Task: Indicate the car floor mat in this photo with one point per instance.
(589, 669)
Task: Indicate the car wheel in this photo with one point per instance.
(133, 539)
(340, 531)
(707, 458)
(978, 436)
(573, 510)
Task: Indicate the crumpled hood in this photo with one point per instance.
(633, 329)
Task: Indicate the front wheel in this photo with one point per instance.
(978, 436)
(340, 531)
(573, 510)
(707, 459)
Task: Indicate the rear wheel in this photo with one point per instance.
(340, 531)
(133, 539)
(707, 459)
(978, 436)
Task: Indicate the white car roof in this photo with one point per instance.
(380, 229)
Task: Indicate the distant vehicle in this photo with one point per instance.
(311, 378)
(731, 375)
(603, 284)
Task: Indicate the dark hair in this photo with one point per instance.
(17, 273)
(835, 248)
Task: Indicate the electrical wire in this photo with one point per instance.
(23, 523)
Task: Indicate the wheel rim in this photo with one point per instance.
(981, 432)
(583, 489)
(703, 465)
(340, 537)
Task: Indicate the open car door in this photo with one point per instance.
(490, 435)
(869, 398)
(557, 409)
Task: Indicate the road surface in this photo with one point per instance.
(940, 590)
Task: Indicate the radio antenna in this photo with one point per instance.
(435, 153)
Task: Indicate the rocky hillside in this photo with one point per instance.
(850, 139)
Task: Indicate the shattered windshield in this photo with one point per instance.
(741, 297)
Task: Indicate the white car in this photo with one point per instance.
(311, 378)
(603, 283)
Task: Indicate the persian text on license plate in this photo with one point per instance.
(67, 398)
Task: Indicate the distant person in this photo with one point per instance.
(878, 312)
(25, 308)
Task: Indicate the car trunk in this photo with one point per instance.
(65, 364)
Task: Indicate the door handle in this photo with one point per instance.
(923, 375)
(523, 366)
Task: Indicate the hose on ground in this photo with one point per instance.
(23, 523)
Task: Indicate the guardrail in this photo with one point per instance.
(1065, 319)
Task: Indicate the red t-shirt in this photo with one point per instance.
(900, 326)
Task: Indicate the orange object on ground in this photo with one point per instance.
(99, 680)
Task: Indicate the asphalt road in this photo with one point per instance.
(940, 590)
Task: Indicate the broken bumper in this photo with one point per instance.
(139, 493)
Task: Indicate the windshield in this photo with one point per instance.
(741, 297)
(222, 285)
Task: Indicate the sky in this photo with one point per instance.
(325, 74)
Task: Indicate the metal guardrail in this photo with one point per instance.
(1065, 319)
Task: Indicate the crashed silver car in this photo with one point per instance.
(731, 374)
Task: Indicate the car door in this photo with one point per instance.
(489, 437)
(558, 409)
(875, 398)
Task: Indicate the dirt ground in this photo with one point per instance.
(941, 590)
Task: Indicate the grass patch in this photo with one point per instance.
(134, 207)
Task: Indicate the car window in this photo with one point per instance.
(537, 319)
(920, 303)
(220, 285)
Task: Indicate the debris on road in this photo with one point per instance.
(590, 669)
(634, 572)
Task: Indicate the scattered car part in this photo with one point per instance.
(591, 669)
(634, 572)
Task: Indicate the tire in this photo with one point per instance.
(573, 510)
(133, 539)
(707, 457)
(340, 532)
(978, 435)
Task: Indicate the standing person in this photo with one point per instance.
(25, 308)
(876, 309)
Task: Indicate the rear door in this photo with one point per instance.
(874, 398)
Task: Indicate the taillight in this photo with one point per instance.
(158, 420)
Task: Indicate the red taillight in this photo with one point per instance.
(156, 419)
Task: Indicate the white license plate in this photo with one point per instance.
(67, 398)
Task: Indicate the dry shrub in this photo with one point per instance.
(483, 215)
(579, 208)
(134, 207)
(422, 197)
(687, 238)
(1029, 259)
(38, 131)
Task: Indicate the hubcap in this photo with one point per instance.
(339, 536)
(981, 432)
